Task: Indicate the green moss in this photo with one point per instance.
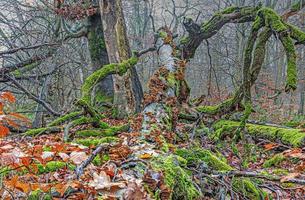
(176, 178)
(112, 131)
(274, 161)
(195, 155)
(184, 40)
(297, 6)
(46, 148)
(97, 76)
(288, 185)
(4, 171)
(90, 120)
(293, 137)
(26, 68)
(281, 172)
(230, 9)
(100, 98)
(53, 166)
(162, 34)
(257, 24)
(291, 80)
(39, 195)
(38, 131)
(65, 118)
(246, 187)
(94, 142)
(212, 110)
(98, 160)
(296, 33)
(96, 45)
(272, 19)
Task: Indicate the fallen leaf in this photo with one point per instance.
(133, 191)
(270, 146)
(47, 154)
(64, 156)
(78, 157)
(102, 181)
(145, 156)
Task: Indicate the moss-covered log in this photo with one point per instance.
(46, 130)
(292, 137)
(112, 131)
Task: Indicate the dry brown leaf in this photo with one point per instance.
(64, 156)
(102, 181)
(145, 156)
(78, 157)
(270, 146)
(134, 192)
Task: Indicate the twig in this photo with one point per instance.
(140, 53)
(11, 51)
(32, 96)
(80, 169)
(254, 174)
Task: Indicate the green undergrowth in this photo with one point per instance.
(274, 161)
(53, 166)
(112, 131)
(39, 195)
(45, 130)
(176, 177)
(65, 118)
(196, 155)
(50, 166)
(293, 137)
(215, 161)
(248, 188)
(95, 141)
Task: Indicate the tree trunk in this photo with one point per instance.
(99, 56)
(127, 88)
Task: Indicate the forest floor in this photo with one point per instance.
(42, 166)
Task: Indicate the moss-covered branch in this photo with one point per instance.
(46, 130)
(60, 120)
(198, 33)
(292, 137)
(97, 76)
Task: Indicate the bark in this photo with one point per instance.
(98, 55)
(127, 88)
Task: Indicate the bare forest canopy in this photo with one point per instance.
(150, 99)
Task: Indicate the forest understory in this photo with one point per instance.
(161, 144)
